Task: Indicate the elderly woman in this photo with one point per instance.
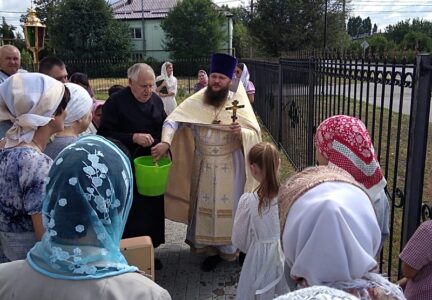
(89, 195)
(344, 141)
(35, 103)
(77, 120)
(202, 81)
(330, 234)
(170, 83)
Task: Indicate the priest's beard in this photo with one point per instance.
(215, 98)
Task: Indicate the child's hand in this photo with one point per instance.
(402, 282)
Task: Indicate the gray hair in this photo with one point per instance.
(9, 48)
(134, 71)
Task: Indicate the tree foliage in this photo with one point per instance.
(86, 29)
(7, 31)
(358, 26)
(203, 33)
(285, 25)
(397, 32)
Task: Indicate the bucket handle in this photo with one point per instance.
(139, 147)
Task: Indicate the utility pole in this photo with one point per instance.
(143, 28)
(251, 17)
(251, 9)
(325, 25)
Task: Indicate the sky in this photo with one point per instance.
(381, 12)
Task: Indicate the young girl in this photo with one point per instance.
(256, 229)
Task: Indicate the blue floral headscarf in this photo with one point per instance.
(88, 198)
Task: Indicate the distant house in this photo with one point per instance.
(144, 18)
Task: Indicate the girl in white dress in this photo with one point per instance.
(256, 229)
(170, 82)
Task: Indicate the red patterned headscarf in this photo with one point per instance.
(346, 143)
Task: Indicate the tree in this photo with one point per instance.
(366, 26)
(375, 28)
(417, 41)
(357, 26)
(86, 29)
(193, 29)
(398, 31)
(7, 31)
(285, 25)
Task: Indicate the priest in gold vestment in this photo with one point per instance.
(209, 172)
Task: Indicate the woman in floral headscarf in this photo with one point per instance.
(89, 195)
(35, 104)
(169, 82)
(344, 141)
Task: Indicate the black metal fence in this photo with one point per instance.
(293, 96)
(105, 73)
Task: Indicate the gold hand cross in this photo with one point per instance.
(234, 109)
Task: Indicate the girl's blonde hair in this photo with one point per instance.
(266, 157)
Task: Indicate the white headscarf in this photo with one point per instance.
(244, 77)
(29, 101)
(79, 105)
(170, 80)
(331, 237)
(339, 220)
(317, 293)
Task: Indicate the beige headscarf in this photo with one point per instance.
(29, 101)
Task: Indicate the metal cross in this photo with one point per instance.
(234, 109)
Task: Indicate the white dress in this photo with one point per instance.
(169, 102)
(262, 275)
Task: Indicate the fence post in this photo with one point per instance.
(311, 113)
(280, 104)
(417, 147)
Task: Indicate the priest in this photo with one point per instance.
(209, 172)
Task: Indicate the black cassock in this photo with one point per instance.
(122, 116)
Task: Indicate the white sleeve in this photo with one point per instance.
(242, 228)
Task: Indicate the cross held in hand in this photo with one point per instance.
(234, 109)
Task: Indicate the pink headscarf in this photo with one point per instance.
(345, 142)
(96, 105)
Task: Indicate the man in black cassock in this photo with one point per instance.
(134, 117)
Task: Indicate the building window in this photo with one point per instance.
(135, 33)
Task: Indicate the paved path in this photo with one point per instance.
(181, 274)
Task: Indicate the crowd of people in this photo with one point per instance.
(69, 194)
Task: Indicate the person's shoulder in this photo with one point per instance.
(141, 287)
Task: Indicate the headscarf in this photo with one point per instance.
(317, 293)
(244, 77)
(170, 80)
(330, 238)
(88, 198)
(29, 101)
(346, 143)
(79, 105)
(96, 105)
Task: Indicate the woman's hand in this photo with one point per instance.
(143, 139)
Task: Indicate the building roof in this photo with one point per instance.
(153, 9)
(132, 9)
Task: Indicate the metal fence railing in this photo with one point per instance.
(293, 96)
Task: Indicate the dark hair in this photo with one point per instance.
(63, 102)
(48, 63)
(266, 157)
(241, 66)
(80, 78)
(114, 89)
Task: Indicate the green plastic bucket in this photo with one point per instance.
(151, 180)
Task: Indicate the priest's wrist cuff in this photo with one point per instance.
(167, 135)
